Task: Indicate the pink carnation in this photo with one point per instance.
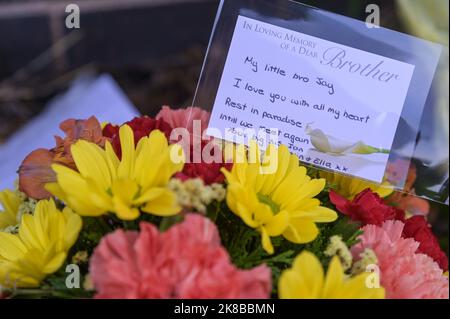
(405, 274)
(185, 262)
(185, 117)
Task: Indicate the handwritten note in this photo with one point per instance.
(334, 106)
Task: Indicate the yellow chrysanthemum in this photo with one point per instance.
(40, 247)
(137, 182)
(306, 280)
(349, 187)
(10, 201)
(276, 196)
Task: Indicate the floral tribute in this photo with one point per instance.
(153, 208)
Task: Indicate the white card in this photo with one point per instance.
(334, 106)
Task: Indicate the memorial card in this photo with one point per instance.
(340, 105)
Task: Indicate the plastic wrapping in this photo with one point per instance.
(345, 97)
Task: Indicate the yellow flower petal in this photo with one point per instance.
(266, 242)
(334, 279)
(317, 214)
(91, 162)
(276, 198)
(246, 215)
(28, 233)
(149, 195)
(111, 160)
(11, 203)
(356, 288)
(73, 225)
(126, 165)
(277, 224)
(286, 192)
(349, 187)
(301, 231)
(304, 280)
(125, 189)
(290, 286)
(75, 190)
(55, 263)
(307, 190)
(163, 205)
(124, 211)
(11, 248)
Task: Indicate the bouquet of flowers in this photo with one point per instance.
(136, 211)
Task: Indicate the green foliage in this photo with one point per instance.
(244, 243)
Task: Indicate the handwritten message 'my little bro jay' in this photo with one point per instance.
(334, 106)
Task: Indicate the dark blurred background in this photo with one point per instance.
(154, 50)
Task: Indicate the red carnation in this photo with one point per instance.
(209, 170)
(209, 173)
(367, 207)
(141, 126)
(418, 228)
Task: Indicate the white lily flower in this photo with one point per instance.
(330, 144)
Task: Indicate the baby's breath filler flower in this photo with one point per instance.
(338, 248)
(194, 194)
(367, 258)
(80, 257)
(27, 206)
